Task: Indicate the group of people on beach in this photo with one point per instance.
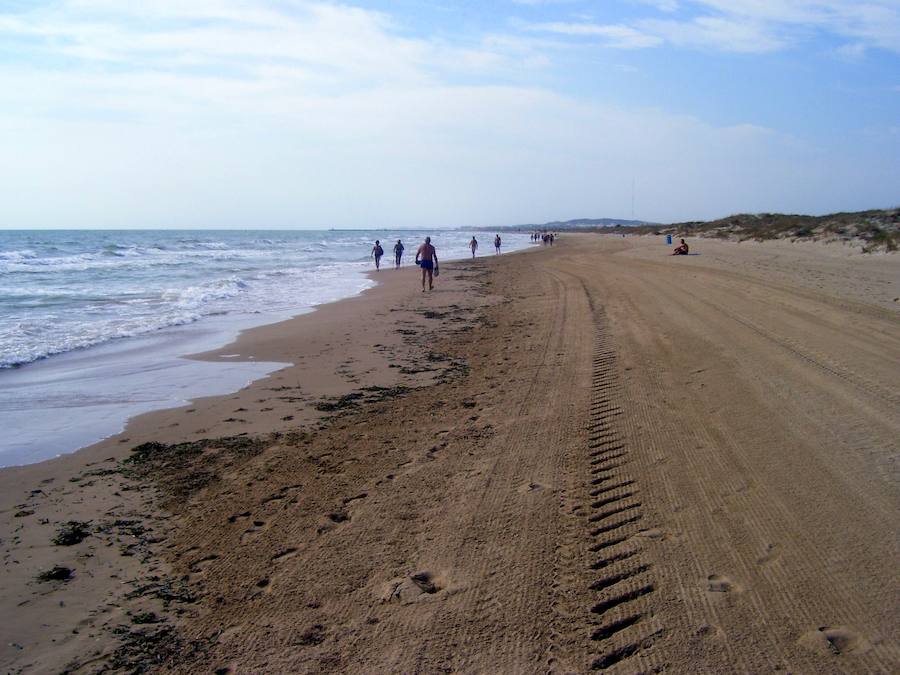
(544, 237)
(426, 257)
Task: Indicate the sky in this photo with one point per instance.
(425, 113)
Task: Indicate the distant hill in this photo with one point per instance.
(580, 223)
(872, 230)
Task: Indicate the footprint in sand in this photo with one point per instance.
(654, 533)
(771, 554)
(252, 532)
(239, 517)
(281, 556)
(414, 588)
(836, 640)
(708, 631)
(332, 520)
(716, 583)
(198, 568)
(275, 497)
(532, 487)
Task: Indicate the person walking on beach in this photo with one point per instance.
(426, 258)
(377, 252)
(398, 253)
(497, 244)
(473, 245)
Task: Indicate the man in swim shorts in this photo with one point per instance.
(497, 243)
(473, 245)
(682, 249)
(426, 258)
(398, 253)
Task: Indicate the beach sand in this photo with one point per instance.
(586, 456)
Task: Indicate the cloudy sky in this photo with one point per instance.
(287, 113)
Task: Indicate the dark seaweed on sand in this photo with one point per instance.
(72, 532)
(372, 394)
(184, 468)
(55, 573)
(145, 650)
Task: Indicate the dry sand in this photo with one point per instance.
(590, 456)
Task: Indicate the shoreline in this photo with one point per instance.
(144, 389)
(263, 344)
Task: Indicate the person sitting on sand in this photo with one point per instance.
(377, 252)
(473, 245)
(682, 249)
(426, 258)
(398, 253)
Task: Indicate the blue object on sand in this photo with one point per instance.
(668, 239)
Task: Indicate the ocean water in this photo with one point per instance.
(121, 307)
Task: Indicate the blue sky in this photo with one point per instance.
(259, 113)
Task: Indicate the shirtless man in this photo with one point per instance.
(497, 244)
(426, 258)
(473, 245)
(682, 249)
(398, 253)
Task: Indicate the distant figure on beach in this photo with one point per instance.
(552, 237)
(497, 244)
(398, 253)
(682, 249)
(473, 245)
(377, 252)
(426, 258)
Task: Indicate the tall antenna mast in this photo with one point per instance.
(632, 197)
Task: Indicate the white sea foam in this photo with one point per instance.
(62, 291)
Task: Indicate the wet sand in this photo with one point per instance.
(585, 456)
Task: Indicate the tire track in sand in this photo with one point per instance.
(624, 630)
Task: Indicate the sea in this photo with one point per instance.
(94, 324)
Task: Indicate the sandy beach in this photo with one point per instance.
(585, 456)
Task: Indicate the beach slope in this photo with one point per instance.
(596, 456)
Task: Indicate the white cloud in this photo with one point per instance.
(703, 32)
(346, 43)
(873, 23)
(852, 51)
(721, 34)
(615, 36)
(663, 5)
(752, 25)
(220, 113)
